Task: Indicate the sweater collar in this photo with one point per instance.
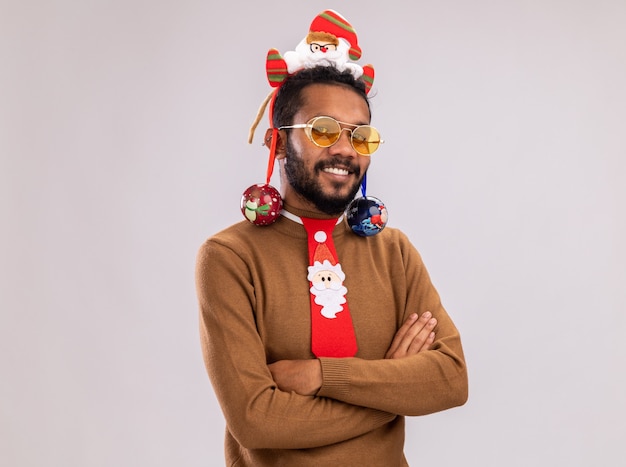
(298, 219)
(292, 223)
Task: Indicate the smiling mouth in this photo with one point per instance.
(336, 171)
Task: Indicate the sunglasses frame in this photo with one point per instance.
(307, 127)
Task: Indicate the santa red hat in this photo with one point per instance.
(332, 22)
(322, 253)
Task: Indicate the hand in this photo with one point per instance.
(303, 377)
(414, 336)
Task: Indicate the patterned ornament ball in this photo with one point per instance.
(367, 216)
(261, 204)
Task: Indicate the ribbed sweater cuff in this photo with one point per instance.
(335, 377)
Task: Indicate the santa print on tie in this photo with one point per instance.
(332, 332)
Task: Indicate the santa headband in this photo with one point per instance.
(331, 41)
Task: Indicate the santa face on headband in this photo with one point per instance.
(321, 48)
(321, 42)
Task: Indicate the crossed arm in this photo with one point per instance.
(304, 377)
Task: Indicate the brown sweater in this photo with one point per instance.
(254, 310)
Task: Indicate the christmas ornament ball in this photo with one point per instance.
(367, 216)
(261, 204)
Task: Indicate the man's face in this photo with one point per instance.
(327, 178)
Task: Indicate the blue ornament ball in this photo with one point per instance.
(367, 216)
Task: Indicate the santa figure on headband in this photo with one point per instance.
(331, 41)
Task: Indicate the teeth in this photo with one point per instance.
(336, 171)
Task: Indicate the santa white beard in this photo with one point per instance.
(330, 296)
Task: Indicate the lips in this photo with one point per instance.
(335, 167)
(336, 171)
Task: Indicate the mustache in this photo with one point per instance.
(338, 162)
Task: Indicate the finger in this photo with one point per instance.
(408, 336)
(415, 337)
(429, 341)
(400, 334)
(416, 332)
(424, 338)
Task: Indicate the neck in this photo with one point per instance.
(308, 211)
(297, 218)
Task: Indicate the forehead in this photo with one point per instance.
(333, 100)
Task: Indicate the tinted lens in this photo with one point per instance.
(365, 140)
(324, 131)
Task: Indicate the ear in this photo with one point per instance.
(280, 136)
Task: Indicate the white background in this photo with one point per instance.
(123, 128)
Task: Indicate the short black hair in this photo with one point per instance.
(289, 97)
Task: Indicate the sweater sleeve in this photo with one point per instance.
(257, 413)
(425, 383)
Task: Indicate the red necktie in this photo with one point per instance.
(332, 332)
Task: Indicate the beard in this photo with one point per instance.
(307, 185)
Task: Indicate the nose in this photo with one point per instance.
(343, 145)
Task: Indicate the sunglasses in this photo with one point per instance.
(326, 131)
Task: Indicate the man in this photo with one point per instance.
(282, 405)
(290, 394)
